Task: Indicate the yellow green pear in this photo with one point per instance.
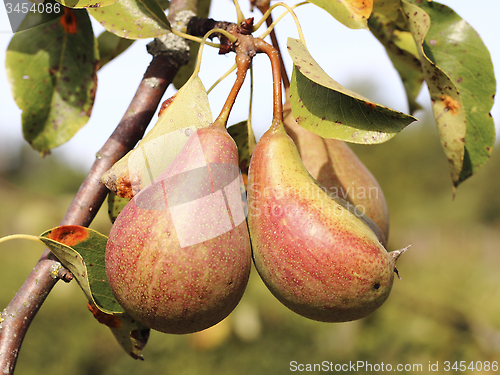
(317, 257)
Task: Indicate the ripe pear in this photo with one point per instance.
(337, 168)
(178, 256)
(316, 256)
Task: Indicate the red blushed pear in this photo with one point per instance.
(178, 256)
(317, 257)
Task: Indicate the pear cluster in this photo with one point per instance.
(179, 254)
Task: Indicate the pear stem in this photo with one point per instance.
(274, 40)
(243, 62)
(274, 57)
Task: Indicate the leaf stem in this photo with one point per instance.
(273, 25)
(229, 36)
(239, 13)
(232, 69)
(195, 38)
(21, 237)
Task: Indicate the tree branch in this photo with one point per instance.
(17, 316)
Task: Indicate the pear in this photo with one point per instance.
(178, 256)
(337, 168)
(316, 256)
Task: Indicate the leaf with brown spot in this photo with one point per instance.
(69, 235)
(351, 13)
(459, 74)
(54, 84)
(327, 108)
(81, 250)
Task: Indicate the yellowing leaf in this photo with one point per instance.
(352, 13)
(459, 74)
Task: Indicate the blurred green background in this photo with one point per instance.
(445, 308)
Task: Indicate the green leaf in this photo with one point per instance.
(243, 136)
(111, 46)
(81, 251)
(459, 74)
(326, 108)
(52, 72)
(86, 3)
(402, 51)
(115, 205)
(133, 19)
(185, 112)
(351, 13)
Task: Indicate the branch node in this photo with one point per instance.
(173, 46)
(64, 275)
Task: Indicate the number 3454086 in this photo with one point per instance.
(34, 8)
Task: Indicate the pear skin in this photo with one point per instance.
(318, 258)
(178, 256)
(337, 168)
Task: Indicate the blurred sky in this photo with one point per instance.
(351, 57)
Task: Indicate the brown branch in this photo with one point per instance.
(17, 316)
